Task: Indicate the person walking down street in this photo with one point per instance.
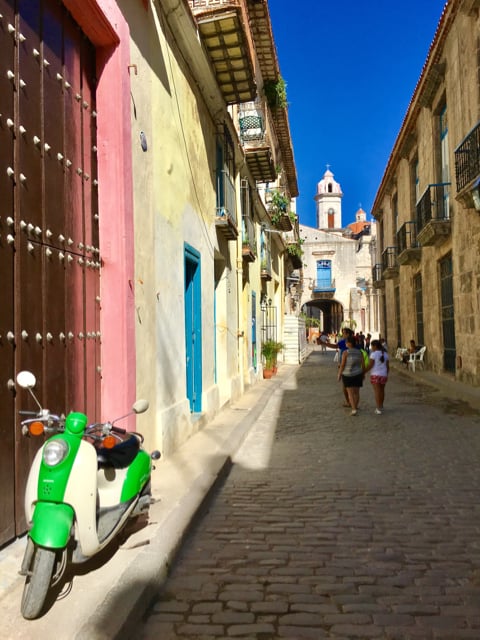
(341, 347)
(367, 342)
(380, 367)
(351, 373)
(323, 341)
(360, 340)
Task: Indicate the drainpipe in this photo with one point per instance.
(240, 314)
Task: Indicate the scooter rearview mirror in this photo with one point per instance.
(26, 379)
(140, 406)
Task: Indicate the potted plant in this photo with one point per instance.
(270, 351)
(276, 93)
(295, 252)
(280, 216)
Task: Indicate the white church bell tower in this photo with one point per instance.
(329, 202)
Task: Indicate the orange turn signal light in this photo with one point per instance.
(109, 442)
(36, 428)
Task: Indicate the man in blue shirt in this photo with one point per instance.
(341, 344)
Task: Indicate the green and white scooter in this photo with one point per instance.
(85, 483)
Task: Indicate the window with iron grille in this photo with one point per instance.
(419, 308)
(225, 176)
(395, 211)
(397, 316)
(447, 313)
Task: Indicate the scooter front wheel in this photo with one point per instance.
(37, 582)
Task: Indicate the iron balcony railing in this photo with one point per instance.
(255, 123)
(389, 258)
(248, 234)
(252, 122)
(324, 286)
(213, 4)
(407, 236)
(377, 273)
(433, 205)
(467, 159)
(226, 197)
(266, 261)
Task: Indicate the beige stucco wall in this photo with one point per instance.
(174, 204)
(178, 109)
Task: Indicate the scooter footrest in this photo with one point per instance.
(108, 519)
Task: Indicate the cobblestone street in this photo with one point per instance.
(333, 526)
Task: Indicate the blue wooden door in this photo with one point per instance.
(193, 329)
(324, 274)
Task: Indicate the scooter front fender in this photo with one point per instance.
(51, 524)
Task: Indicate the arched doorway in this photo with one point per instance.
(329, 313)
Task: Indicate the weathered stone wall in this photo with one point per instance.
(452, 81)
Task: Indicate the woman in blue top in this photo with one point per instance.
(351, 372)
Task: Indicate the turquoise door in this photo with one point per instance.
(324, 274)
(193, 329)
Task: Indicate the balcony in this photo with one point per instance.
(323, 289)
(266, 270)
(467, 159)
(223, 28)
(409, 251)
(266, 263)
(433, 215)
(278, 207)
(256, 140)
(295, 253)
(249, 245)
(467, 166)
(389, 263)
(226, 215)
(267, 58)
(377, 277)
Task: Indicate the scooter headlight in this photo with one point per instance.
(54, 452)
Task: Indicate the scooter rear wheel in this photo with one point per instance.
(37, 582)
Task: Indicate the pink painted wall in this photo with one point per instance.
(105, 26)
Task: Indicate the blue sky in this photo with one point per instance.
(351, 68)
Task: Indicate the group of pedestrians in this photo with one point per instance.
(355, 362)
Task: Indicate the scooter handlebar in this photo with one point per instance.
(28, 413)
(118, 430)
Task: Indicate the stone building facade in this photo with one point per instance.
(428, 205)
(337, 265)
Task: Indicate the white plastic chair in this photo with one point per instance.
(416, 358)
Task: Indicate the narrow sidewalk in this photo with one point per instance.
(105, 603)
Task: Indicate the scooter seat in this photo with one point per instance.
(119, 456)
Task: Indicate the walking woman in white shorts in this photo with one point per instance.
(379, 366)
